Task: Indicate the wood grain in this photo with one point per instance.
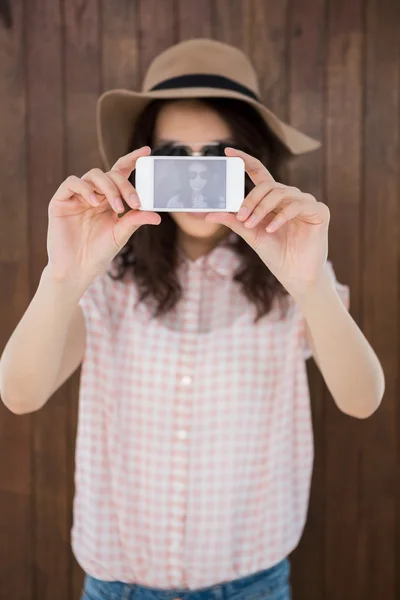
(343, 155)
(194, 23)
(306, 57)
(231, 22)
(16, 476)
(155, 35)
(82, 88)
(269, 23)
(120, 44)
(51, 545)
(380, 279)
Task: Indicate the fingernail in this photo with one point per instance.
(134, 200)
(243, 212)
(272, 226)
(94, 199)
(119, 205)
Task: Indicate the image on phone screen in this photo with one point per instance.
(189, 184)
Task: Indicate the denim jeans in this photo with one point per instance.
(271, 584)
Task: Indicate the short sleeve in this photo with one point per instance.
(95, 304)
(344, 294)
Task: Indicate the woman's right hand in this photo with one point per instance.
(85, 232)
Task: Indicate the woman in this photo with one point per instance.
(194, 449)
(199, 188)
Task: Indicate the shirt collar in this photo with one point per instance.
(223, 259)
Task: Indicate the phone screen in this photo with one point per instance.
(189, 184)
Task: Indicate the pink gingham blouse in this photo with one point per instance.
(194, 449)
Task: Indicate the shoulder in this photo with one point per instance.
(103, 297)
(174, 201)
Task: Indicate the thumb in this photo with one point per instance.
(130, 222)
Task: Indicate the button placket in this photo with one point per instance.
(182, 426)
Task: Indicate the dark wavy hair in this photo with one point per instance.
(151, 255)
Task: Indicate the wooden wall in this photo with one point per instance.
(331, 67)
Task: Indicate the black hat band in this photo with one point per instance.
(201, 80)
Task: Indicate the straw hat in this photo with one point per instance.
(197, 68)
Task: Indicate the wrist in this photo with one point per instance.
(69, 290)
(306, 293)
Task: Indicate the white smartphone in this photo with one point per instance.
(190, 183)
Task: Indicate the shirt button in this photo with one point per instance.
(182, 434)
(186, 380)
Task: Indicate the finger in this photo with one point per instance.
(254, 167)
(130, 222)
(126, 164)
(75, 186)
(309, 209)
(255, 196)
(273, 201)
(287, 213)
(125, 188)
(104, 185)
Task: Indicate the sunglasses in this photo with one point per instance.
(173, 149)
(197, 175)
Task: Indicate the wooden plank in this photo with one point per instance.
(45, 148)
(380, 281)
(120, 49)
(231, 22)
(343, 191)
(15, 432)
(83, 86)
(156, 35)
(194, 20)
(306, 56)
(267, 48)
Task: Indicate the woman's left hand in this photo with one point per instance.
(286, 227)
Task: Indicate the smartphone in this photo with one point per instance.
(190, 183)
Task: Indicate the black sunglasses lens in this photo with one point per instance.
(180, 151)
(214, 150)
(198, 174)
(171, 150)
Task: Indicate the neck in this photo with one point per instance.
(195, 247)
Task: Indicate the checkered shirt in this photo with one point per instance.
(195, 449)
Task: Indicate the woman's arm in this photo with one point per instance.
(349, 365)
(46, 347)
(289, 231)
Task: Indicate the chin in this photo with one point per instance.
(194, 225)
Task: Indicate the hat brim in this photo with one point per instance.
(118, 110)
